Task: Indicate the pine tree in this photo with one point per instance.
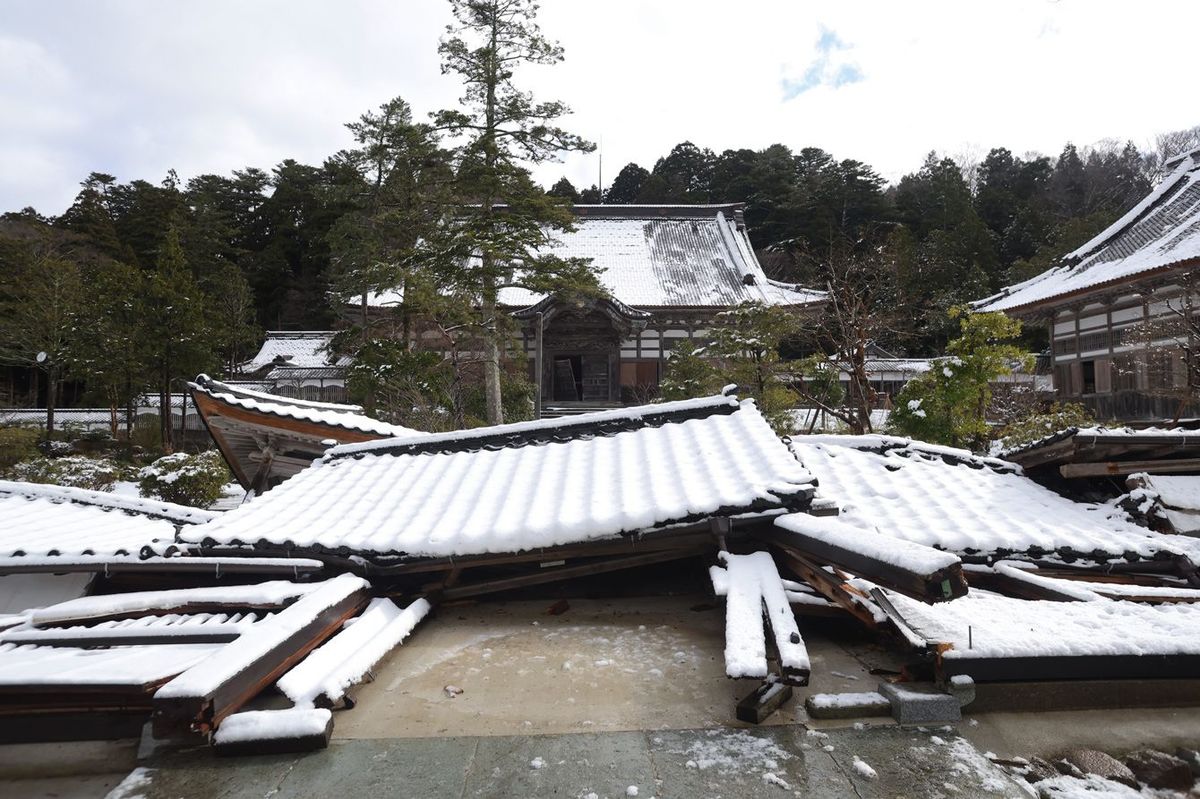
(173, 334)
(627, 185)
(499, 239)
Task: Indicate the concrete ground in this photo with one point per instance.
(609, 695)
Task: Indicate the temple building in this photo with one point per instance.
(669, 270)
(1121, 309)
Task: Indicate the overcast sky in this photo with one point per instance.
(136, 87)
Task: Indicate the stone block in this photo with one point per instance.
(847, 706)
(1092, 761)
(1160, 770)
(921, 703)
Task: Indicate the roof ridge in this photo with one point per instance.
(546, 431)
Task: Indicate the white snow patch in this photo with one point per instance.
(131, 787)
(863, 769)
(267, 725)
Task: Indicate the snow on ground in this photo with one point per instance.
(863, 769)
(734, 752)
(132, 786)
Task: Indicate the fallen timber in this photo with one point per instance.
(940, 584)
(199, 698)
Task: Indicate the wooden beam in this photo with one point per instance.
(292, 634)
(938, 586)
(826, 584)
(133, 636)
(1077, 667)
(765, 700)
(1115, 468)
(555, 574)
(175, 565)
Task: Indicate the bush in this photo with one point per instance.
(194, 480)
(1037, 426)
(75, 471)
(16, 444)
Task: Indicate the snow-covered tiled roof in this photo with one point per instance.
(332, 414)
(952, 500)
(517, 487)
(1161, 231)
(45, 520)
(305, 348)
(689, 256)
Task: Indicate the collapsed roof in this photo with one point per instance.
(1160, 233)
(48, 523)
(980, 508)
(520, 486)
(253, 428)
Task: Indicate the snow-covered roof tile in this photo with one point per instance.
(1161, 231)
(304, 348)
(45, 520)
(974, 506)
(538, 484)
(349, 417)
(664, 257)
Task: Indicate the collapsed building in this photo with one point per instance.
(969, 569)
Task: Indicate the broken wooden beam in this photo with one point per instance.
(915, 570)
(199, 698)
(765, 700)
(1023, 584)
(346, 658)
(1115, 468)
(556, 573)
(181, 564)
(274, 732)
(829, 586)
(220, 599)
(755, 600)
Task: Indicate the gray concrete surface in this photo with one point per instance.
(719, 762)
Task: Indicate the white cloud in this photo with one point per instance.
(135, 87)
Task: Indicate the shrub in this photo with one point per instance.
(1037, 426)
(194, 480)
(75, 471)
(16, 444)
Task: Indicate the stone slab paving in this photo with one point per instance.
(719, 763)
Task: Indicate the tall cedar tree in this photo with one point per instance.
(174, 335)
(402, 176)
(499, 239)
(41, 292)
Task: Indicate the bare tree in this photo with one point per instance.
(860, 278)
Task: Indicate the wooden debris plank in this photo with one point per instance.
(1114, 468)
(557, 573)
(113, 607)
(1015, 583)
(210, 634)
(173, 565)
(1066, 667)
(755, 600)
(765, 700)
(827, 585)
(836, 547)
(260, 732)
(199, 698)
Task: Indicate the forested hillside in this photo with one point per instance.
(183, 275)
